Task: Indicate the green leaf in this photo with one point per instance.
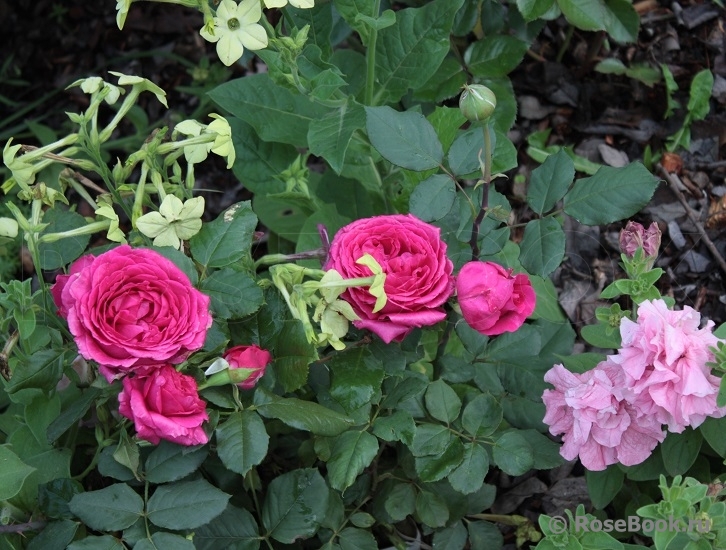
(277, 114)
(232, 293)
(611, 65)
(38, 375)
(105, 542)
(242, 441)
(432, 199)
(712, 430)
(622, 23)
(409, 52)
(227, 239)
(482, 415)
(113, 508)
(549, 182)
(56, 535)
(495, 55)
(444, 84)
(452, 538)
(39, 414)
(303, 415)
(597, 335)
(405, 139)
(352, 10)
(76, 410)
(397, 427)
(13, 472)
(185, 504)
(446, 121)
(62, 252)
(430, 439)
(401, 501)
(437, 467)
(483, 534)
(469, 476)
(463, 156)
(164, 540)
(680, 451)
(534, 9)
(127, 453)
(431, 509)
(235, 528)
(604, 485)
(258, 162)
(588, 15)
(698, 102)
(356, 379)
(352, 452)
(293, 355)
(330, 135)
(543, 246)
(442, 402)
(170, 462)
(295, 505)
(610, 195)
(320, 19)
(54, 496)
(351, 538)
(513, 453)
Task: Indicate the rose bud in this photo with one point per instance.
(492, 300)
(247, 364)
(635, 236)
(477, 102)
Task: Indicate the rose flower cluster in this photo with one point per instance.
(136, 314)
(660, 375)
(419, 280)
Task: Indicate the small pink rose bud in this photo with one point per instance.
(247, 364)
(635, 236)
(492, 299)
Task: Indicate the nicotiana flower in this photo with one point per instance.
(142, 84)
(222, 144)
(174, 222)
(122, 7)
(94, 84)
(304, 4)
(236, 27)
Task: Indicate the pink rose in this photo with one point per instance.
(129, 308)
(597, 424)
(164, 405)
(665, 357)
(418, 272)
(247, 360)
(61, 280)
(491, 299)
(635, 236)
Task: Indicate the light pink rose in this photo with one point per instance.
(129, 308)
(597, 424)
(251, 360)
(493, 300)
(164, 405)
(664, 358)
(418, 272)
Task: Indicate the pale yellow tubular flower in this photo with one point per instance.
(143, 84)
(303, 4)
(236, 27)
(223, 145)
(122, 6)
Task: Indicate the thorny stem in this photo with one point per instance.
(487, 179)
(5, 354)
(22, 527)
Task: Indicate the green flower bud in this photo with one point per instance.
(477, 102)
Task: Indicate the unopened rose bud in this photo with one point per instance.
(477, 102)
(247, 364)
(635, 236)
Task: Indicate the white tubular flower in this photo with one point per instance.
(142, 84)
(223, 145)
(122, 6)
(235, 28)
(303, 4)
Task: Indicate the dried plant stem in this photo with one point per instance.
(674, 183)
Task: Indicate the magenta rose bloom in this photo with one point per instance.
(493, 300)
(129, 308)
(61, 280)
(247, 360)
(164, 405)
(418, 272)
